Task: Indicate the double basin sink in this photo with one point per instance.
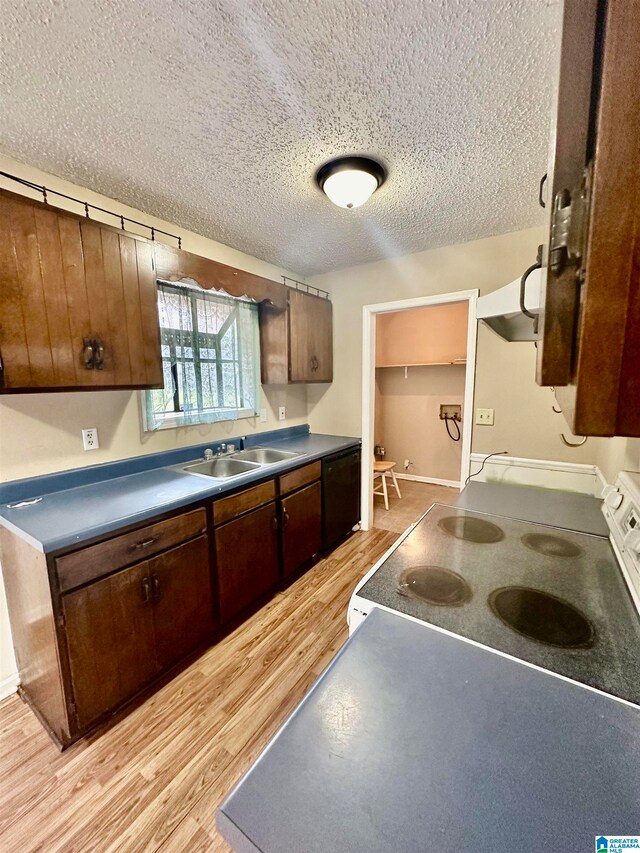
(240, 462)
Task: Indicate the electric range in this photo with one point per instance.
(554, 598)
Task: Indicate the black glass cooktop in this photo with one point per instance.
(551, 597)
(435, 585)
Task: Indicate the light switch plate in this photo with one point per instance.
(282, 413)
(263, 416)
(90, 438)
(484, 417)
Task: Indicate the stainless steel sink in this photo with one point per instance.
(222, 468)
(265, 455)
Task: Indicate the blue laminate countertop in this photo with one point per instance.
(414, 740)
(568, 510)
(79, 505)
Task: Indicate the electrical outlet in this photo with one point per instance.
(484, 417)
(282, 413)
(263, 416)
(90, 438)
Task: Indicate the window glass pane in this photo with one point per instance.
(226, 330)
(228, 343)
(209, 376)
(229, 385)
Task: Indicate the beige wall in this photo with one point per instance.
(41, 432)
(524, 422)
(618, 454)
(408, 418)
(433, 335)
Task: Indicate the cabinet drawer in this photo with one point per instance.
(97, 560)
(300, 477)
(227, 508)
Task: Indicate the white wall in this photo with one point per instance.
(505, 375)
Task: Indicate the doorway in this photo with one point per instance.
(418, 379)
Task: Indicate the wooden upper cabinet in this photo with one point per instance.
(589, 346)
(296, 343)
(310, 326)
(78, 302)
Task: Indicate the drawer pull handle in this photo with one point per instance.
(155, 585)
(285, 519)
(144, 544)
(146, 591)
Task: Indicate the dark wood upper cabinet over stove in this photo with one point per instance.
(589, 347)
(78, 302)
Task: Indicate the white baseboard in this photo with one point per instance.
(544, 473)
(9, 685)
(454, 484)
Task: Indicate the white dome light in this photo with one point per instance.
(350, 181)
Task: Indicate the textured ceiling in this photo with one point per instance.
(215, 114)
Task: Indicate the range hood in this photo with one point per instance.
(501, 310)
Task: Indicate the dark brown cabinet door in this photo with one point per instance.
(110, 641)
(301, 527)
(590, 324)
(246, 559)
(74, 293)
(310, 338)
(182, 602)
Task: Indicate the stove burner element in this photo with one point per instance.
(435, 585)
(471, 529)
(543, 617)
(551, 546)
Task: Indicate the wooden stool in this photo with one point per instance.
(381, 469)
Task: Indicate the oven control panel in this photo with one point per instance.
(621, 508)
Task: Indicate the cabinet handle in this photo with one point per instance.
(87, 353)
(155, 585)
(285, 518)
(314, 363)
(541, 200)
(98, 354)
(144, 544)
(146, 591)
(1, 371)
(274, 523)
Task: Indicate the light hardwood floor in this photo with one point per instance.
(154, 781)
(416, 499)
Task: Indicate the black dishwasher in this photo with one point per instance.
(340, 495)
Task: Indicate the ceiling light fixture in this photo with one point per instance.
(350, 181)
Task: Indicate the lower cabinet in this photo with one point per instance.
(301, 527)
(246, 550)
(123, 630)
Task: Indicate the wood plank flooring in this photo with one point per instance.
(154, 780)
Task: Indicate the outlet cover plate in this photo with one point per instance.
(90, 438)
(282, 413)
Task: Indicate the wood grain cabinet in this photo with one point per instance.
(91, 628)
(589, 346)
(246, 548)
(296, 343)
(310, 338)
(301, 527)
(78, 302)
